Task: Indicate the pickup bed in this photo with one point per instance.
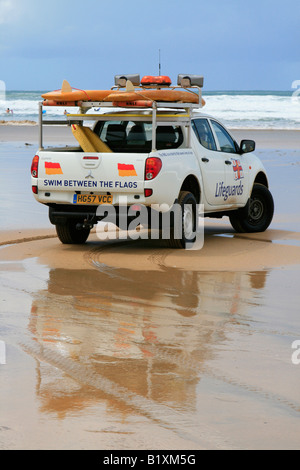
(153, 159)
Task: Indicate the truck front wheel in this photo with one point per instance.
(257, 215)
(68, 233)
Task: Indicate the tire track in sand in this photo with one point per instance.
(26, 239)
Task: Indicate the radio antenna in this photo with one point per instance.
(159, 64)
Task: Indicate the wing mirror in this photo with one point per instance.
(247, 146)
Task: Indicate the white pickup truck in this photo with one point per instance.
(156, 156)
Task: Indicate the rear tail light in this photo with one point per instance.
(35, 166)
(153, 167)
(148, 192)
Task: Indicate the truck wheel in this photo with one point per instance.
(183, 231)
(69, 234)
(257, 215)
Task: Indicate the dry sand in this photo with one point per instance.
(130, 345)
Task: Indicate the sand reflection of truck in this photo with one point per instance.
(155, 341)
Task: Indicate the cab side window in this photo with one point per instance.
(225, 141)
(204, 134)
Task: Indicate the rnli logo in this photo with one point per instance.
(238, 170)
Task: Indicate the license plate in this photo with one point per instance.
(92, 199)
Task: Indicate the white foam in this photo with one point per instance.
(265, 110)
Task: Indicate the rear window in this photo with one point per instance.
(131, 136)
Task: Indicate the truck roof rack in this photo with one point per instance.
(149, 110)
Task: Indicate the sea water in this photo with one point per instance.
(236, 109)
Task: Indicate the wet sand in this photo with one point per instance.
(130, 345)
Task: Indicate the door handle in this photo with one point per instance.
(228, 162)
(205, 160)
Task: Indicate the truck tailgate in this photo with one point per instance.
(91, 172)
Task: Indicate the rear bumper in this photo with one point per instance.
(60, 213)
(88, 216)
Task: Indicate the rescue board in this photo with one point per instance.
(77, 95)
(68, 96)
(153, 95)
(88, 140)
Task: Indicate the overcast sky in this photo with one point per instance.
(235, 44)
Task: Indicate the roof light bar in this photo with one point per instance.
(160, 81)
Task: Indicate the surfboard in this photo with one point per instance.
(88, 140)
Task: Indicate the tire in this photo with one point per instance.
(68, 233)
(257, 215)
(183, 230)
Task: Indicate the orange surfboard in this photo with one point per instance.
(72, 95)
(77, 95)
(154, 95)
